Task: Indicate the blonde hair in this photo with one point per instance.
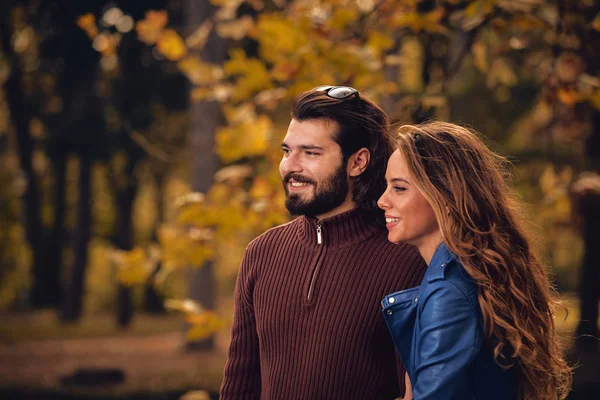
(469, 189)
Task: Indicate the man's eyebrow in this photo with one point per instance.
(305, 146)
(310, 147)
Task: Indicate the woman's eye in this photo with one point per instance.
(399, 188)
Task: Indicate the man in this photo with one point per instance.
(307, 321)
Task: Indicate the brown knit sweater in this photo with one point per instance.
(307, 321)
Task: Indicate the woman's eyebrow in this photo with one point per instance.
(396, 180)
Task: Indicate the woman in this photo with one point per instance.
(480, 325)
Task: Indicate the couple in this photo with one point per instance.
(468, 306)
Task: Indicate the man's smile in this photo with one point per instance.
(298, 186)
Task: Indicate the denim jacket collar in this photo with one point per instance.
(437, 267)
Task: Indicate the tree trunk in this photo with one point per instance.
(587, 330)
(153, 301)
(589, 51)
(205, 118)
(124, 237)
(73, 297)
(55, 240)
(39, 295)
(589, 285)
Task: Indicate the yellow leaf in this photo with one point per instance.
(171, 45)
(87, 22)
(284, 71)
(279, 36)
(562, 208)
(246, 139)
(342, 17)
(252, 75)
(411, 74)
(189, 198)
(158, 18)
(197, 40)
(261, 188)
(270, 98)
(220, 93)
(201, 93)
(239, 114)
(548, 179)
(196, 395)
(186, 306)
(147, 33)
(480, 56)
(236, 29)
(182, 248)
(480, 7)
(501, 71)
(220, 193)
(106, 43)
(234, 173)
(204, 325)
(379, 42)
(133, 267)
(417, 22)
(200, 72)
(151, 27)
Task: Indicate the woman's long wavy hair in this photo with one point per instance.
(469, 189)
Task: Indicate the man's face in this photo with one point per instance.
(313, 174)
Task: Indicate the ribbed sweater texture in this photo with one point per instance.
(307, 321)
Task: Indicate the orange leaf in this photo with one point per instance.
(157, 18)
(171, 45)
(569, 96)
(151, 28)
(87, 22)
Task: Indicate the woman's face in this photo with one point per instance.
(408, 215)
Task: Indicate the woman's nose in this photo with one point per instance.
(382, 202)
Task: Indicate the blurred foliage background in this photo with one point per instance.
(139, 141)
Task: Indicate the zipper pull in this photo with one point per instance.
(319, 236)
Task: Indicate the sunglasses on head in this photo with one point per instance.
(338, 92)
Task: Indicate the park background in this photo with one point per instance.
(139, 145)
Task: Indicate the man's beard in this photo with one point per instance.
(328, 194)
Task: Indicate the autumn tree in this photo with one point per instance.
(415, 57)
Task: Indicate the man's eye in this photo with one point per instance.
(285, 151)
(312, 153)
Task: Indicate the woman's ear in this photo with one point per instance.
(357, 163)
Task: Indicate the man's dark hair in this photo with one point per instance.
(361, 123)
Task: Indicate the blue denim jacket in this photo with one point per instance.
(437, 328)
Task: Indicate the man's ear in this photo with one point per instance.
(357, 163)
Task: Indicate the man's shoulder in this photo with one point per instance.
(265, 239)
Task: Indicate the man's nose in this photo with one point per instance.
(291, 164)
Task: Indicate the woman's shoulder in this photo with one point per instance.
(449, 279)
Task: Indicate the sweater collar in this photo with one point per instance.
(339, 230)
